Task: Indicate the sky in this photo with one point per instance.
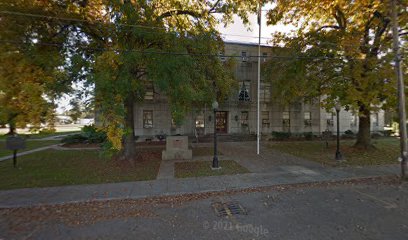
(240, 33)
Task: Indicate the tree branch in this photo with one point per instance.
(179, 12)
(213, 7)
(328, 26)
(340, 18)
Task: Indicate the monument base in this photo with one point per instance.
(177, 154)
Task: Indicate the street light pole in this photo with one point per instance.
(401, 93)
(258, 134)
(215, 158)
(338, 153)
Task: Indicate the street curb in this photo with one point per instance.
(232, 190)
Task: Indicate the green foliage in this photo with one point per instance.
(348, 135)
(281, 135)
(121, 48)
(176, 55)
(89, 134)
(342, 51)
(308, 135)
(31, 73)
(387, 133)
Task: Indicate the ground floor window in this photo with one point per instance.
(199, 122)
(353, 120)
(147, 119)
(329, 119)
(374, 119)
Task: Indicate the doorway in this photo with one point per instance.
(221, 122)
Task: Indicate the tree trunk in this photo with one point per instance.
(12, 129)
(364, 136)
(129, 139)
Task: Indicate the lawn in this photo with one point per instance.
(386, 151)
(41, 135)
(56, 168)
(203, 168)
(204, 151)
(29, 145)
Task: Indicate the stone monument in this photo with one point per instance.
(177, 148)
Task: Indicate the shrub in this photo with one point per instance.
(348, 135)
(308, 135)
(75, 138)
(376, 135)
(93, 135)
(89, 134)
(387, 133)
(281, 135)
(349, 132)
(161, 136)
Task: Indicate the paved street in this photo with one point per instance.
(317, 211)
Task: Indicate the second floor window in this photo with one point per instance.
(265, 92)
(264, 57)
(308, 119)
(265, 119)
(244, 56)
(149, 94)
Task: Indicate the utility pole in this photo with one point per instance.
(401, 93)
(258, 134)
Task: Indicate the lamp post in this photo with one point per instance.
(338, 154)
(215, 158)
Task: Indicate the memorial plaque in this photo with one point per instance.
(15, 143)
(178, 144)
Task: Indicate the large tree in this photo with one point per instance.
(31, 72)
(341, 50)
(122, 46)
(171, 45)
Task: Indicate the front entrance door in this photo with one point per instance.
(222, 122)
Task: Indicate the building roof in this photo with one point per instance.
(245, 43)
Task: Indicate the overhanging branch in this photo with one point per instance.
(179, 12)
(328, 26)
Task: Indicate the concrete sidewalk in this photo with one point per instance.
(29, 152)
(284, 174)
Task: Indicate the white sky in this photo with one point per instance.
(240, 33)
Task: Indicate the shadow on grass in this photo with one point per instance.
(203, 168)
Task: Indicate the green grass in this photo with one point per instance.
(386, 151)
(203, 168)
(204, 151)
(41, 135)
(29, 146)
(56, 168)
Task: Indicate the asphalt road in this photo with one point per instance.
(345, 211)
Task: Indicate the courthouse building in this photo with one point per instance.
(238, 114)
